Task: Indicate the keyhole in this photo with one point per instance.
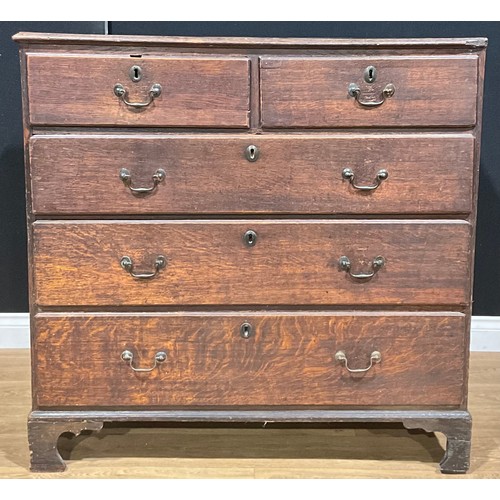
(250, 238)
(370, 74)
(252, 153)
(135, 73)
(246, 330)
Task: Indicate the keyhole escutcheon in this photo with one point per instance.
(252, 153)
(135, 73)
(250, 238)
(246, 330)
(370, 74)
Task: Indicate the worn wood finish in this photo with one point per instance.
(196, 91)
(475, 192)
(425, 232)
(42, 439)
(456, 459)
(292, 262)
(313, 91)
(79, 174)
(455, 425)
(289, 359)
(69, 39)
(365, 449)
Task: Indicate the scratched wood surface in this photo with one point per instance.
(292, 262)
(313, 91)
(71, 39)
(197, 91)
(79, 174)
(288, 359)
(250, 451)
(214, 85)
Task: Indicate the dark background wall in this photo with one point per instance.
(13, 264)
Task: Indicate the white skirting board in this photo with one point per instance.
(14, 332)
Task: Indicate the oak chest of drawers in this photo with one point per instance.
(250, 230)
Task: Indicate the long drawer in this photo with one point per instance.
(409, 90)
(193, 91)
(118, 174)
(282, 359)
(251, 262)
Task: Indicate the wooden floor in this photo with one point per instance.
(249, 451)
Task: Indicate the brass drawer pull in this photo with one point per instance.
(375, 357)
(128, 264)
(128, 357)
(377, 264)
(122, 93)
(355, 91)
(382, 175)
(126, 177)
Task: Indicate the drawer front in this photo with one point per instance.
(428, 173)
(314, 92)
(288, 359)
(285, 262)
(195, 91)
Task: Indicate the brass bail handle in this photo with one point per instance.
(126, 178)
(122, 93)
(377, 264)
(375, 357)
(128, 357)
(348, 174)
(128, 264)
(355, 91)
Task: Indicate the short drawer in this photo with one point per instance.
(410, 91)
(214, 262)
(147, 174)
(250, 358)
(193, 91)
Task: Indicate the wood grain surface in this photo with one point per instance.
(69, 40)
(303, 308)
(313, 91)
(252, 450)
(196, 91)
(79, 174)
(288, 360)
(292, 262)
